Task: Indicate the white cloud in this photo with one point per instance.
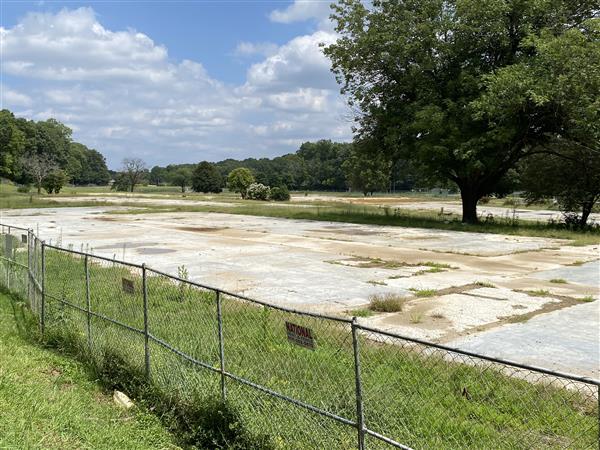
(123, 95)
(302, 10)
(245, 49)
(299, 63)
(13, 97)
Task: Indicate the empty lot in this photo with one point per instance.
(486, 287)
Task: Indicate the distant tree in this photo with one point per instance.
(181, 177)
(323, 164)
(239, 180)
(38, 167)
(571, 176)
(158, 175)
(54, 181)
(206, 178)
(134, 171)
(280, 193)
(13, 144)
(367, 171)
(120, 182)
(95, 171)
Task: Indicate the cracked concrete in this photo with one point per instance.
(313, 265)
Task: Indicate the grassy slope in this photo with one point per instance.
(49, 401)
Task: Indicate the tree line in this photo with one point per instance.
(44, 154)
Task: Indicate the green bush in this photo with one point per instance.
(280, 194)
(258, 191)
(24, 188)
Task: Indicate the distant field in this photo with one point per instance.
(328, 206)
(49, 401)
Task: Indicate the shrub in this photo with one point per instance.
(54, 181)
(280, 194)
(258, 191)
(386, 302)
(24, 188)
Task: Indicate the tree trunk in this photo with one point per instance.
(469, 205)
(182, 189)
(585, 213)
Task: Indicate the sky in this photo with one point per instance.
(174, 81)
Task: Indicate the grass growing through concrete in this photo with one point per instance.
(424, 292)
(558, 281)
(386, 302)
(412, 395)
(48, 400)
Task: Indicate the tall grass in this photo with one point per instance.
(418, 397)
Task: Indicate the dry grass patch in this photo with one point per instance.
(386, 302)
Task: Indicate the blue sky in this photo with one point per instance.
(175, 81)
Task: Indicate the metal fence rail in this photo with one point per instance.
(306, 380)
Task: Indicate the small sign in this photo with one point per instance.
(24, 239)
(300, 335)
(128, 286)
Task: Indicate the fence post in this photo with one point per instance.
(88, 305)
(221, 347)
(43, 308)
(360, 418)
(29, 299)
(146, 333)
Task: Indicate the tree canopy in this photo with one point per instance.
(47, 142)
(206, 178)
(421, 76)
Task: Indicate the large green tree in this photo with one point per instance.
(416, 71)
(206, 178)
(239, 180)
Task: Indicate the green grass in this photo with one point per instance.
(424, 292)
(362, 312)
(412, 395)
(47, 400)
(538, 292)
(588, 298)
(485, 284)
(558, 281)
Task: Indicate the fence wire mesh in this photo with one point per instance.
(300, 380)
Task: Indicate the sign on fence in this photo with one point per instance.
(300, 335)
(24, 238)
(128, 286)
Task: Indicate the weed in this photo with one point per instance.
(558, 281)
(538, 293)
(438, 316)
(386, 302)
(361, 312)
(588, 298)
(416, 317)
(424, 292)
(485, 284)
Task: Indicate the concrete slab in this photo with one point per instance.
(567, 340)
(314, 265)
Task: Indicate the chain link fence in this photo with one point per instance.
(303, 380)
